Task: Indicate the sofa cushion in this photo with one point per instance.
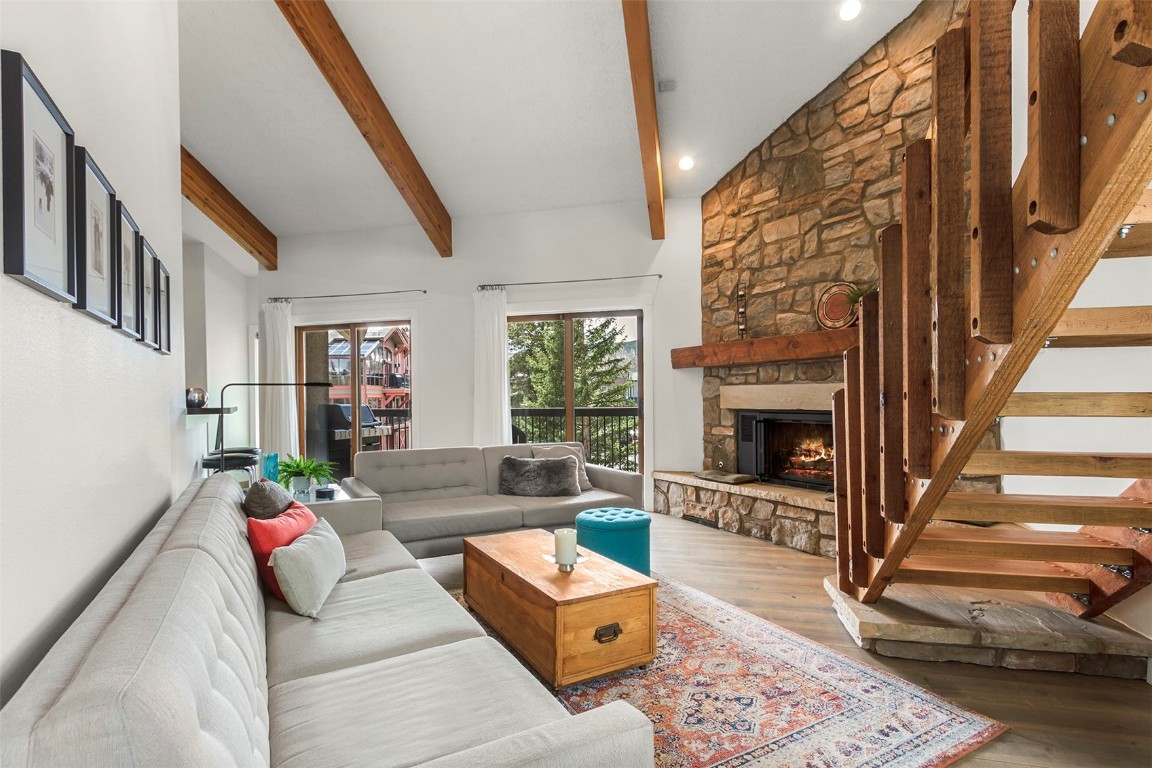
(558, 451)
(415, 520)
(423, 473)
(266, 499)
(494, 454)
(176, 679)
(540, 512)
(308, 568)
(214, 524)
(470, 693)
(364, 621)
(280, 531)
(540, 477)
(374, 552)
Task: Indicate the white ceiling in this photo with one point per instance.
(509, 106)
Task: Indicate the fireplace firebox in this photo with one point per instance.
(787, 447)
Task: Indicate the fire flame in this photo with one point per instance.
(811, 451)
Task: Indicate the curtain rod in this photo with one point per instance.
(559, 282)
(346, 295)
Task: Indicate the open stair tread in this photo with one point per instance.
(1030, 508)
(1021, 543)
(1059, 404)
(1061, 464)
(990, 573)
(1103, 327)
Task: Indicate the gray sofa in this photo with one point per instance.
(431, 498)
(181, 661)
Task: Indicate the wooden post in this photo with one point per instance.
(860, 566)
(890, 309)
(875, 531)
(1054, 115)
(840, 441)
(917, 319)
(991, 266)
(950, 220)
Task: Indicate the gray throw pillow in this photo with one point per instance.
(559, 451)
(309, 567)
(539, 477)
(266, 500)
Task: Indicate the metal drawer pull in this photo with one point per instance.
(608, 632)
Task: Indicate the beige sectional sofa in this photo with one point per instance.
(431, 498)
(182, 661)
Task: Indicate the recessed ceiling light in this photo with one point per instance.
(849, 9)
(686, 163)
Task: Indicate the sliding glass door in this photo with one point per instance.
(577, 377)
(369, 405)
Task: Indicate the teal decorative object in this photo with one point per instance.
(272, 466)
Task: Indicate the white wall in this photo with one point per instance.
(216, 312)
(593, 242)
(91, 422)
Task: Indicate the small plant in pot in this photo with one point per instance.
(297, 473)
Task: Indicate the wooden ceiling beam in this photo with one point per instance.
(214, 200)
(314, 24)
(644, 95)
(1142, 213)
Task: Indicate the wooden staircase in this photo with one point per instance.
(974, 282)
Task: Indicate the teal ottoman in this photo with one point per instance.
(618, 533)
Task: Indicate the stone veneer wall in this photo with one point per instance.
(803, 209)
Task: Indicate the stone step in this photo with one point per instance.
(1004, 628)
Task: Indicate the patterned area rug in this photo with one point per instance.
(730, 689)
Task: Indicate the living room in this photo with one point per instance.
(119, 73)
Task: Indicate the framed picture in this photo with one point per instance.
(128, 252)
(149, 329)
(38, 160)
(95, 209)
(164, 308)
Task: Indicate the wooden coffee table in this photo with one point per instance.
(571, 627)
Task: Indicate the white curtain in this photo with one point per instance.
(491, 407)
(278, 404)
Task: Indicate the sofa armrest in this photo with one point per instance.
(349, 516)
(617, 481)
(356, 489)
(616, 735)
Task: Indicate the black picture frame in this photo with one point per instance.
(94, 204)
(128, 262)
(164, 307)
(38, 157)
(149, 296)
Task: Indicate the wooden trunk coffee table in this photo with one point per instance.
(571, 627)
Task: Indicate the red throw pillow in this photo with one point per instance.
(280, 531)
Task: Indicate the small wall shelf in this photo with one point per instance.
(211, 411)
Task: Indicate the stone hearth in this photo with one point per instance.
(792, 517)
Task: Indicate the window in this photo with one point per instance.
(369, 367)
(577, 377)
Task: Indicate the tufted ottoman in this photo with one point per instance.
(618, 533)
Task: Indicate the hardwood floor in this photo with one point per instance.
(1057, 720)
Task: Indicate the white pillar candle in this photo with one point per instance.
(565, 546)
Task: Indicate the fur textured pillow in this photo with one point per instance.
(539, 477)
(558, 451)
(265, 500)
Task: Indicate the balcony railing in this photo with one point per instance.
(611, 436)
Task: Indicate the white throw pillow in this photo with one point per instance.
(309, 567)
(559, 452)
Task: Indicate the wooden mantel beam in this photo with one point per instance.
(644, 95)
(214, 200)
(314, 24)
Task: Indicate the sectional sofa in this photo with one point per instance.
(181, 660)
(431, 498)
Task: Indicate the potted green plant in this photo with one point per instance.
(297, 473)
